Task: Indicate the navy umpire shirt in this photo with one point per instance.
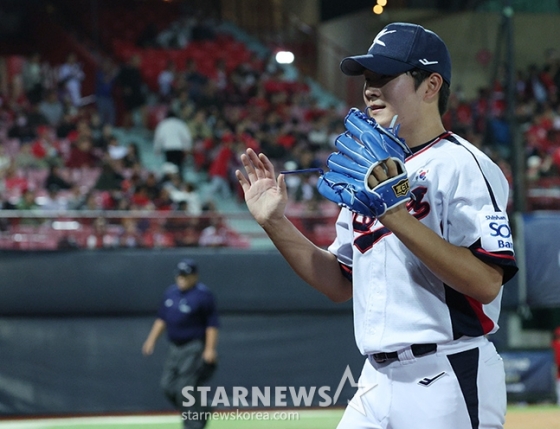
(188, 313)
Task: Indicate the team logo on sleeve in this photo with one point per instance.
(495, 232)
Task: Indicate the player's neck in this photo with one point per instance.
(424, 132)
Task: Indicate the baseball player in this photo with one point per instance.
(189, 315)
(423, 243)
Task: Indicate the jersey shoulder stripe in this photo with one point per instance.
(453, 139)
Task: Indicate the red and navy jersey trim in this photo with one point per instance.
(467, 315)
(424, 147)
(504, 259)
(346, 271)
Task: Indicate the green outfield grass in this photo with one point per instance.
(285, 419)
(540, 417)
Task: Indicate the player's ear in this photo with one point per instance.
(433, 85)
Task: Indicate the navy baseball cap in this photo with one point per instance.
(186, 267)
(401, 47)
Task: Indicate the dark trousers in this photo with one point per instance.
(182, 368)
(176, 157)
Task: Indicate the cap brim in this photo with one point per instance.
(354, 66)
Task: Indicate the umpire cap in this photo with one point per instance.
(401, 47)
(186, 267)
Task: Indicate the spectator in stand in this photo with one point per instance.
(53, 201)
(167, 82)
(140, 200)
(163, 201)
(102, 238)
(534, 85)
(217, 234)
(27, 201)
(132, 156)
(32, 75)
(44, 147)
(89, 201)
(66, 126)
(306, 191)
(220, 77)
(192, 198)
(131, 236)
(318, 136)
(182, 105)
(198, 125)
(34, 117)
(219, 171)
(133, 90)
(101, 140)
(458, 116)
(105, 79)
(25, 159)
(499, 134)
(152, 186)
(55, 178)
(185, 192)
(52, 108)
(177, 35)
(5, 159)
(21, 129)
(189, 232)
(14, 180)
(109, 179)
(172, 137)
(82, 154)
(174, 185)
(210, 96)
(96, 126)
(70, 77)
(115, 150)
(195, 81)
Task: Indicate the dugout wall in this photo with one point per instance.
(72, 326)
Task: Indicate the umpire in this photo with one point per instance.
(188, 313)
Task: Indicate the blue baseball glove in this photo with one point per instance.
(364, 146)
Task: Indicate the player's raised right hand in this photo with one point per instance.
(266, 196)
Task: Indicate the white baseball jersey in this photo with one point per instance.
(462, 195)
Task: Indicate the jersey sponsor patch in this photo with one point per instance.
(495, 232)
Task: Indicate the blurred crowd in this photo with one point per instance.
(484, 120)
(59, 149)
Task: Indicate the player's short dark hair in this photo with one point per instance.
(420, 76)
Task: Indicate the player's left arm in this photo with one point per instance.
(210, 353)
(456, 266)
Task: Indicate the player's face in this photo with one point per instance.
(387, 96)
(185, 282)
